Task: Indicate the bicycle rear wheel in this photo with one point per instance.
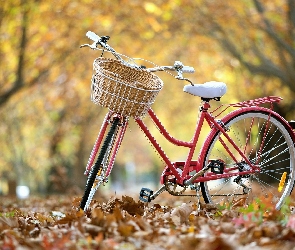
(268, 144)
(98, 173)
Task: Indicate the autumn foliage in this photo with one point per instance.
(124, 223)
(48, 124)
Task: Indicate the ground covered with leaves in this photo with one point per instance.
(126, 223)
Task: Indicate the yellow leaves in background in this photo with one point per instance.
(150, 7)
(57, 73)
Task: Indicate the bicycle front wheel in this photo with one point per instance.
(98, 173)
(267, 143)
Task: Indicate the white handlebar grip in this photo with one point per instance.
(188, 69)
(91, 35)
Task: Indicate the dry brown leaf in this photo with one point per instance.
(181, 214)
(116, 223)
(227, 228)
(97, 217)
(125, 229)
(270, 229)
(10, 222)
(257, 233)
(93, 230)
(214, 243)
(131, 206)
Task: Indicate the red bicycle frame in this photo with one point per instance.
(189, 165)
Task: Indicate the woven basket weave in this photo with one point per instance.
(123, 89)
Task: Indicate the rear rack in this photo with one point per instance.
(257, 102)
(251, 103)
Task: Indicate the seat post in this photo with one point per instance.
(205, 105)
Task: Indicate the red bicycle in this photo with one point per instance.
(248, 152)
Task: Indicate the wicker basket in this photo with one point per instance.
(123, 89)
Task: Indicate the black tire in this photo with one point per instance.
(275, 155)
(103, 154)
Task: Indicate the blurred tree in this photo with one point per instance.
(38, 86)
(258, 36)
(13, 83)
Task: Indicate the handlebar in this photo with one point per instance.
(102, 41)
(177, 66)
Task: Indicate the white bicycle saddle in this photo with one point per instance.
(207, 90)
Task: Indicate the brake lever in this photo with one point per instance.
(92, 46)
(180, 77)
(178, 66)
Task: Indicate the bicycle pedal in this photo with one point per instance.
(145, 194)
(292, 124)
(217, 166)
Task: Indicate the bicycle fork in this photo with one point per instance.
(115, 147)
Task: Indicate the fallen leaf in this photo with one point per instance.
(125, 229)
(181, 214)
(291, 222)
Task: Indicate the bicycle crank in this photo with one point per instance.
(174, 188)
